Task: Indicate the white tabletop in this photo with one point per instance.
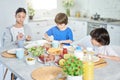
(23, 70)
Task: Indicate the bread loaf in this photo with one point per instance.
(54, 51)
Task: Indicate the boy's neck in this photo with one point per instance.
(63, 28)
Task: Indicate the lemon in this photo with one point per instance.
(66, 56)
(61, 62)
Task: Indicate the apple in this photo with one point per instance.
(41, 57)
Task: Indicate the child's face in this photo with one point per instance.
(20, 17)
(61, 26)
(95, 43)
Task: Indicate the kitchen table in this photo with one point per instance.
(23, 70)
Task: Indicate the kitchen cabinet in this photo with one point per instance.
(93, 25)
(79, 29)
(40, 27)
(114, 32)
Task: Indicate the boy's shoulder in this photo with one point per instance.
(68, 28)
(54, 27)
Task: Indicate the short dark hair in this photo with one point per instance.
(61, 18)
(20, 10)
(101, 35)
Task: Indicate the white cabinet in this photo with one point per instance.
(79, 29)
(40, 27)
(114, 32)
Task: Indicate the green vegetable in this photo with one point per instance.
(36, 51)
(73, 66)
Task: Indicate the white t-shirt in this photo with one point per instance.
(106, 50)
(15, 32)
(86, 42)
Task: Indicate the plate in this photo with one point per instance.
(35, 43)
(95, 58)
(30, 45)
(11, 51)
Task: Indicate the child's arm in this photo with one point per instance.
(66, 41)
(46, 37)
(116, 58)
(28, 38)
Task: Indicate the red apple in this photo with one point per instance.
(41, 57)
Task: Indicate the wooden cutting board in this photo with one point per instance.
(46, 73)
(101, 63)
(8, 55)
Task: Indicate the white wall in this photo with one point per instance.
(106, 8)
(7, 12)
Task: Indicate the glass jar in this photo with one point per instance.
(88, 67)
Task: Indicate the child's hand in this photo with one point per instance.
(102, 56)
(20, 36)
(28, 38)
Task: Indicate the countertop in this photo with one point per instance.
(79, 19)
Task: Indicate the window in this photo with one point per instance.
(44, 4)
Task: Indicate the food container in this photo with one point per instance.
(30, 61)
(77, 14)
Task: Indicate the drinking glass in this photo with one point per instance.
(20, 53)
(21, 44)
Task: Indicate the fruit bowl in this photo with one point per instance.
(46, 58)
(61, 59)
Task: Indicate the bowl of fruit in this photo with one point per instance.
(62, 58)
(46, 58)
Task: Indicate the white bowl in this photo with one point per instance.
(30, 61)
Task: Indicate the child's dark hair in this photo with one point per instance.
(20, 10)
(61, 18)
(101, 35)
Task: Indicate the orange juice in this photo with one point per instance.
(88, 70)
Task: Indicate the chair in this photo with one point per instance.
(12, 75)
(5, 73)
(1, 45)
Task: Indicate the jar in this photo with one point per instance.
(79, 53)
(77, 14)
(88, 68)
(65, 51)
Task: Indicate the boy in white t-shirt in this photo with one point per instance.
(99, 41)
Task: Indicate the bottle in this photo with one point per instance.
(77, 14)
(79, 53)
(88, 67)
(65, 51)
